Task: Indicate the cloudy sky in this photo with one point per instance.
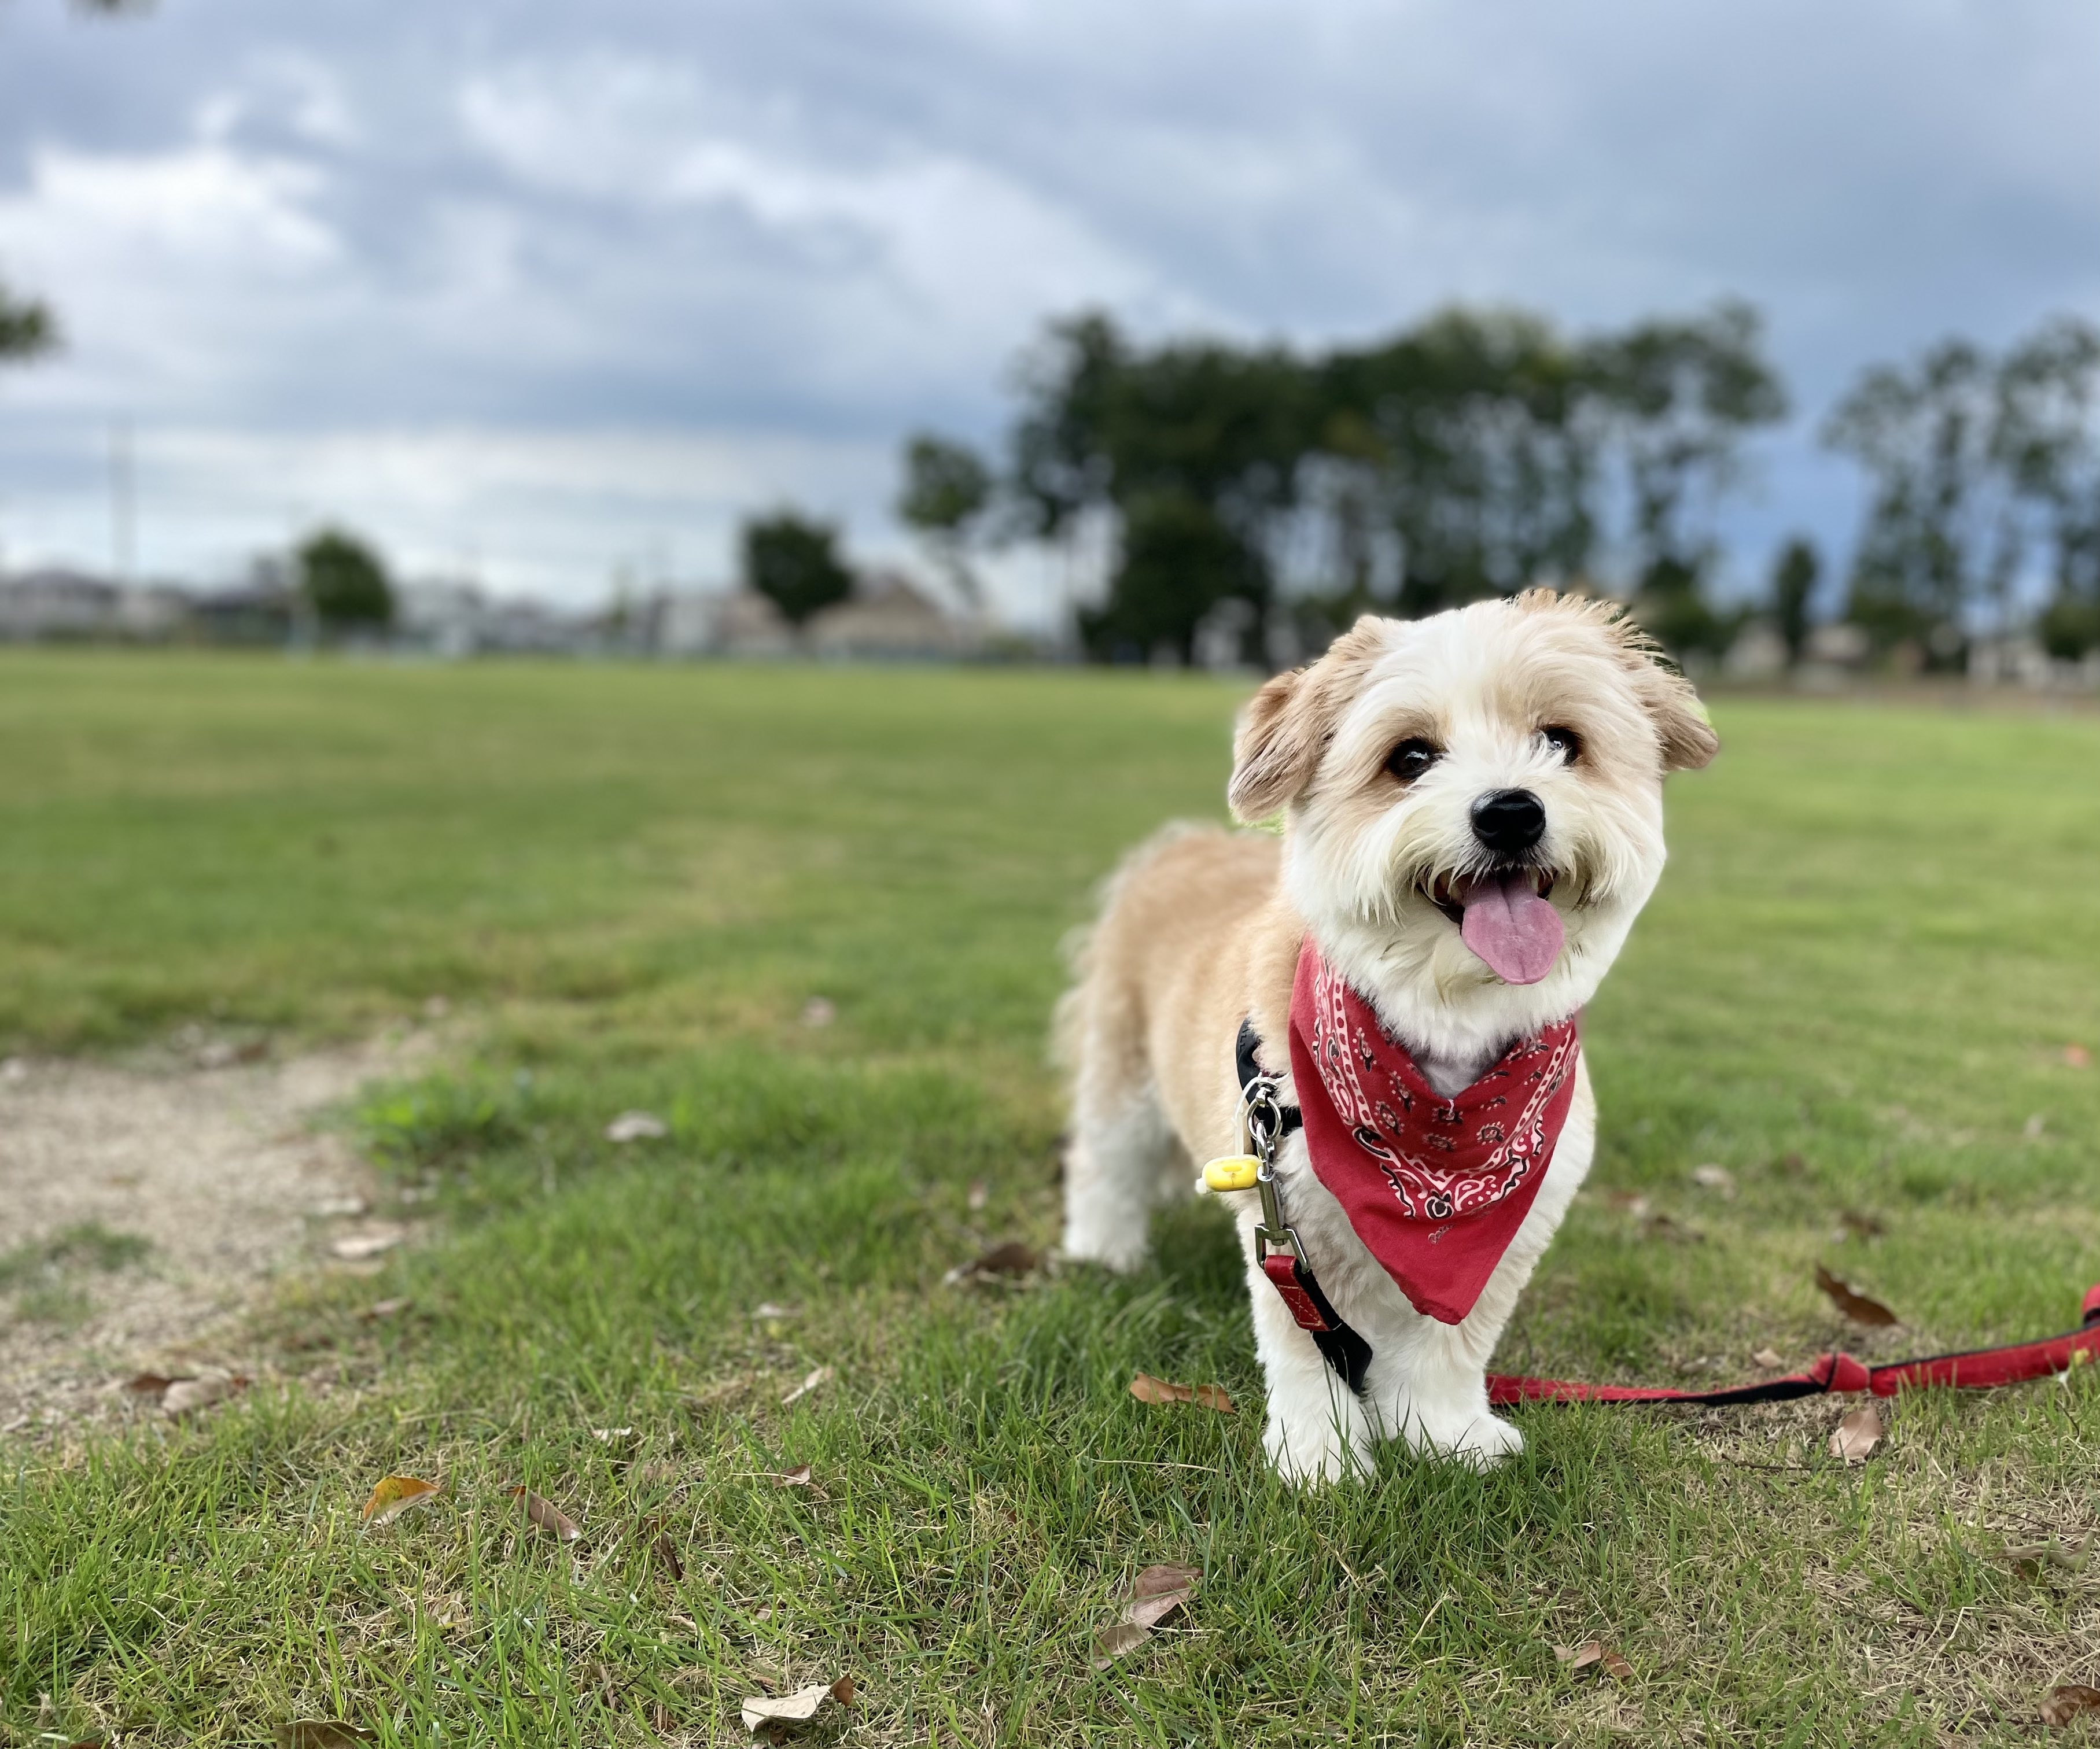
(540, 288)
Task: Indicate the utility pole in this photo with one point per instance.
(123, 508)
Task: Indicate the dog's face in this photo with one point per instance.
(1474, 805)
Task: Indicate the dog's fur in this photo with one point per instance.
(1200, 929)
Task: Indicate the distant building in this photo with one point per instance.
(718, 623)
(887, 619)
(57, 603)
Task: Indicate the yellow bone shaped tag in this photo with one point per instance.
(1234, 1172)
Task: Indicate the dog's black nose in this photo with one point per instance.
(1509, 820)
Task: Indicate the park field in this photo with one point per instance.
(1867, 989)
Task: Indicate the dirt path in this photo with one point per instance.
(140, 1208)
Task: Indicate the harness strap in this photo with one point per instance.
(1349, 1355)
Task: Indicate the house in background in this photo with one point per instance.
(887, 619)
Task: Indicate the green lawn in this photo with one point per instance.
(1876, 939)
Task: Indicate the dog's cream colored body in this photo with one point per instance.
(1201, 929)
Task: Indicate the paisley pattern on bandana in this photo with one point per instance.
(1444, 1159)
(1436, 1188)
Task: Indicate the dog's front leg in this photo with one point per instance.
(1317, 1431)
(1429, 1388)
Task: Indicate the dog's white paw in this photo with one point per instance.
(1480, 1442)
(1312, 1456)
(1121, 1252)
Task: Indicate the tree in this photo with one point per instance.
(947, 488)
(793, 561)
(343, 582)
(26, 330)
(2047, 387)
(1794, 576)
(1677, 397)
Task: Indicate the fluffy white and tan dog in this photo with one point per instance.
(1473, 818)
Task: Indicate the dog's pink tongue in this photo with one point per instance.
(1510, 927)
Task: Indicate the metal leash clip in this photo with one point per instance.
(1261, 1129)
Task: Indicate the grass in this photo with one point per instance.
(1854, 990)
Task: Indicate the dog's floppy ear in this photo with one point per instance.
(1686, 739)
(1287, 724)
(1689, 741)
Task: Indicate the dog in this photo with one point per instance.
(1383, 997)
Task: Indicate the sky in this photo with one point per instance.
(547, 293)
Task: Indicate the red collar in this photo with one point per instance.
(1436, 1188)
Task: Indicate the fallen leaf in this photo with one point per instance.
(819, 1011)
(776, 1716)
(1147, 1389)
(2078, 1057)
(980, 1194)
(322, 1733)
(1768, 1359)
(1714, 1178)
(1597, 1653)
(381, 1308)
(2032, 1559)
(1632, 1201)
(637, 1126)
(155, 1385)
(1793, 1165)
(1856, 1306)
(1616, 1668)
(187, 1395)
(547, 1515)
(1112, 1641)
(392, 1495)
(816, 1381)
(664, 1552)
(767, 1309)
(1862, 1225)
(358, 1248)
(797, 1477)
(1012, 1258)
(2068, 1701)
(1676, 1232)
(1857, 1435)
(1158, 1591)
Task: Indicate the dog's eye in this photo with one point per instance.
(1566, 739)
(1410, 759)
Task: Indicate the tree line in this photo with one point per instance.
(1480, 451)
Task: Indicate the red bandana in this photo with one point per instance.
(1435, 1187)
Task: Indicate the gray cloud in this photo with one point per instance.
(550, 285)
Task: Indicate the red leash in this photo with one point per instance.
(1972, 1369)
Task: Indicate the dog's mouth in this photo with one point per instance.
(1505, 919)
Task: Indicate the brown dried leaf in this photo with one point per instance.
(1714, 1178)
(1857, 1435)
(1793, 1166)
(155, 1385)
(2077, 1056)
(1768, 1359)
(776, 1716)
(1661, 1226)
(1112, 1641)
(322, 1733)
(187, 1395)
(1856, 1306)
(1616, 1668)
(815, 1381)
(664, 1551)
(2068, 1701)
(1862, 1225)
(1158, 1591)
(1012, 1258)
(381, 1308)
(797, 1477)
(361, 1247)
(1147, 1389)
(980, 1194)
(547, 1515)
(392, 1495)
(1580, 1657)
(637, 1126)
